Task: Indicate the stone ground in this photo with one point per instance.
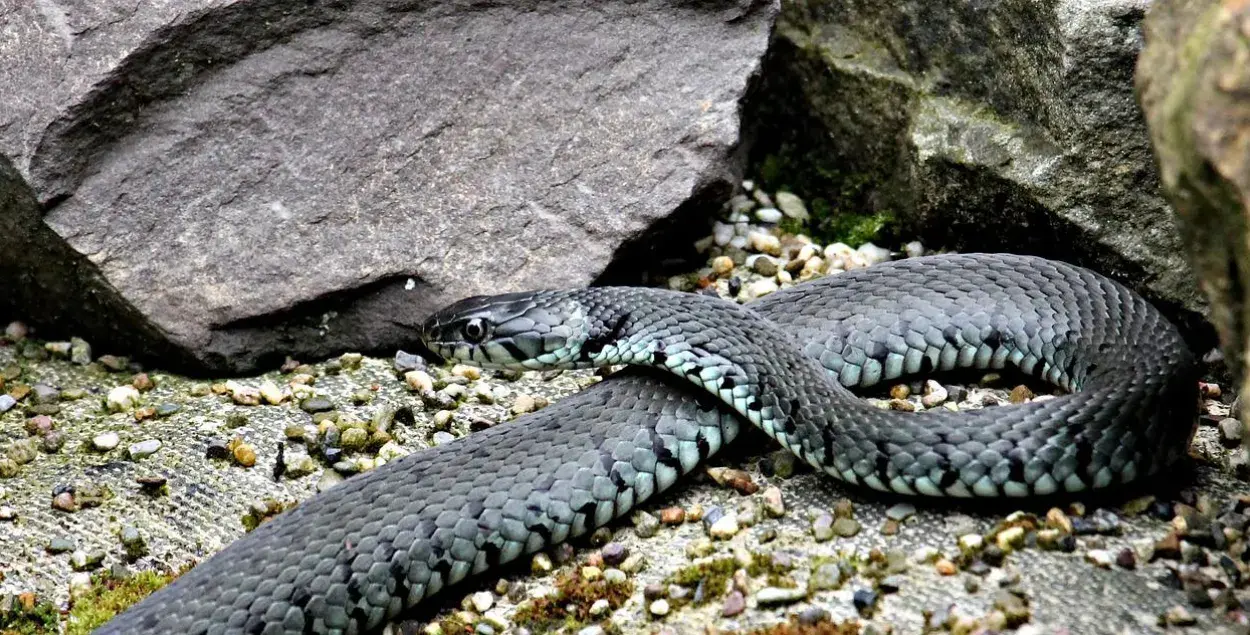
(1079, 590)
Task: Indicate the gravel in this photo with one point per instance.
(836, 569)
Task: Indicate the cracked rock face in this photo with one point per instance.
(1002, 126)
(243, 181)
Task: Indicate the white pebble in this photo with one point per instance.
(761, 288)
(873, 254)
(105, 441)
(740, 203)
(934, 394)
(738, 242)
(659, 607)
(791, 205)
(722, 234)
(482, 601)
(471, 373)
(122, 398)
(812, 268)
(703, 244)
(391, 451)
(722, 265)
(600, 608)
(806, 253)
(725, 527)
(769, 215)
(1101, 558)
(271, 393)
(419, 380)
(914, 249)
(748, 185)
(765, 243)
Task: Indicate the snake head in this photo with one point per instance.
(522, 331)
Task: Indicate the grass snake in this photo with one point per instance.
(357, 555)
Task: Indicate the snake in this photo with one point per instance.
(699, 371)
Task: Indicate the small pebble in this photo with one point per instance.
(82, 560)
(735, 603)
(1177, 616)
(166, 409)
(1126, 559)
(763, 265)
(472, 373)
(934, 394)
(316, 404)
(946, 567)
(142, 382)
(778, 595)
(1010, 538)
(774, 505)
(143, 449)
(725, 527)
(1100, 558)
(60, 544)
(672, 516)
(6, 403)
(599, 609)
(645, 525)
(659, 608)
(846, 527)
(541, 564)
(405, 361)
(524, 403)
(482, 601)
(864, 600)
(827, 576)
(105, 441)
(633, 564)
(900, 511)
(822, 527)
(122, 398)
(7, 513)
(441, 438)
(244, 454)
(1231, 432)
(769, 215)
(136, 547)
(722, 265)
(614, 553)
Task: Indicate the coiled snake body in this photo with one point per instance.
(357, 555)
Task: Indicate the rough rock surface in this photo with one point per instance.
(1194, 80)
(1003, 126)
(248, 179)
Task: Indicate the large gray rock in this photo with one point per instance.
(995, 126)
(249, 180)
(1194, 82)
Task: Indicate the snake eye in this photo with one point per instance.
(475, 330)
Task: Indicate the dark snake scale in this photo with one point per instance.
(356, 556)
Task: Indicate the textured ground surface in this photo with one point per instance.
(207, 499)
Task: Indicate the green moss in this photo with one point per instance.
(109, 596)
(265, 511)
(714, 574)
(29, 617)
(835, 200)
(570, 606)
(453, 624)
